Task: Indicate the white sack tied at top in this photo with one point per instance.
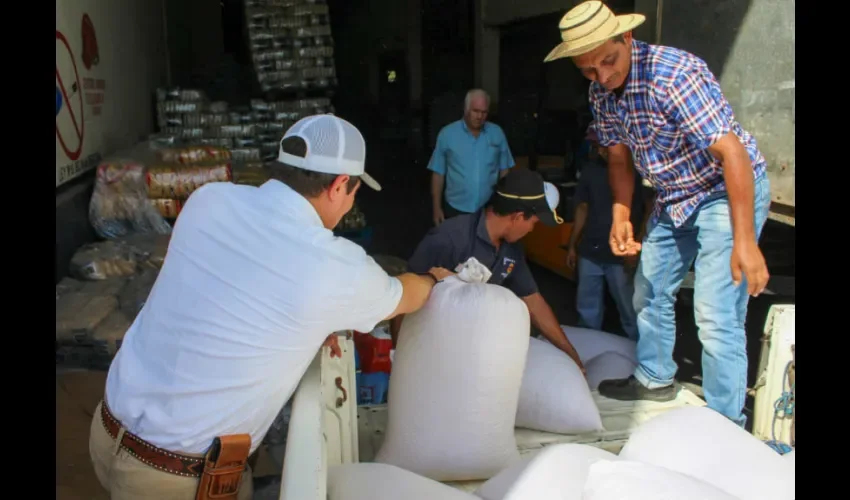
(473, 271)
(455, 383)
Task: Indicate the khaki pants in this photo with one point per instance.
(126, 478)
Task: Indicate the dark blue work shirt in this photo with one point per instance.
(457, 239)
(593, 188)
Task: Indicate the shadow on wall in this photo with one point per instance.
(712, 28)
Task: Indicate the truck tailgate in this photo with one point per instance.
(618, 417)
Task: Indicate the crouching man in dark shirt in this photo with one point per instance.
(491, 235)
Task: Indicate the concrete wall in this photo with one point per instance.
(750, 46)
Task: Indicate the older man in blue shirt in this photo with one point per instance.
(471, 155)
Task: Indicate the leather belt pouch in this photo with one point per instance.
(224, 464)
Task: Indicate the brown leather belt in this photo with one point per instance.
(164, 460)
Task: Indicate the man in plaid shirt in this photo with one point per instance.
(660, 111)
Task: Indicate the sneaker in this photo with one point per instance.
(629, 389)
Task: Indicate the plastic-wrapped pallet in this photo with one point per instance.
(702, 443)
(120, 257)
(446, 356)
(563, 407)
(104, 260)
(120, 205)
(556, 472)
(371, 481)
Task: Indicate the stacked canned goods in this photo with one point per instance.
(251, 133)
(291, 44)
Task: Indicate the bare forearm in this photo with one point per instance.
(543, 318)
(738, 174)
(415, 292)
(437, 183)
(621, 177)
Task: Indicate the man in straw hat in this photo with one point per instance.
(664, 109)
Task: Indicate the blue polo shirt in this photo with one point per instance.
(457, 239)
(470, 164)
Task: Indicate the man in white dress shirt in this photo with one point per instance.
(253, 284)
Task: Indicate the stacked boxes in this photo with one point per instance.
(291, 44)
(251, 133)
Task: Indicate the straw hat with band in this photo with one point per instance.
(587, 26)
(525, 190)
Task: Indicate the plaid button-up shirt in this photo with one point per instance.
(670, 112)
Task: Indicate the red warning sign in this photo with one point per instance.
(70, 123)
(91, 54)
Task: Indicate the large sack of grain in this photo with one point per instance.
(554, 395)
(606, 366)
(371, 481)
(626, 480)
(557, 472)
(591, 343)
(455, 385)
(702, 443)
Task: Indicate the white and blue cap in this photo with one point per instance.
(334, 146)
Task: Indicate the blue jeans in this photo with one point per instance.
(590, 300)
(720, 308)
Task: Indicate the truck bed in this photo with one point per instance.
(618, 417)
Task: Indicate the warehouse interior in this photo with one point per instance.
(402, 70)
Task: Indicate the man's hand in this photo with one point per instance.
(572, 257)
(333, 342)
(622, 239)
(748, 262)
(438, 216)
(440, 273)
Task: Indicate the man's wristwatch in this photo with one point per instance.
(430, 275)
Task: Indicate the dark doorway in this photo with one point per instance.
(448, 41)
(393, 95)
(233, 30)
